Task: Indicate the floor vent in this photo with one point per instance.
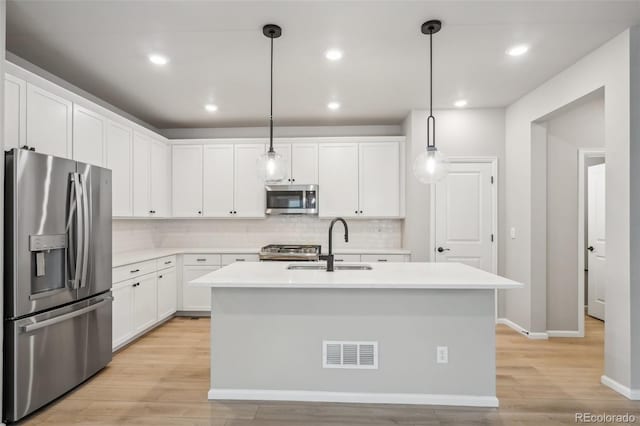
(344, 354)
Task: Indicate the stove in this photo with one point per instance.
(290, 252)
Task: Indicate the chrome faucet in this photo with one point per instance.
(329, 257)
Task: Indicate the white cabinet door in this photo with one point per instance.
(338, 179)
(187, 180)
(122, 314)
(119, 158)
(15, 112)
(284, 150)
(141, 175)
(379, 180)
(160, 179)
(167, 293)
(249, 194)
(49, 122)
(145, 302)
(304, 164)
(196, 298)
(88, 136)
(218, 181)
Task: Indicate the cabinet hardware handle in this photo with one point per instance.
(235, 212)
(230, 211)
(338, 260)
(199, 211)
(201, 260)
(134, 271)
(382, 260)
(136, 284)
(240, 260)
(356, 211)
(167, 262)
(293, 180)
(360, 211)
(159, 276)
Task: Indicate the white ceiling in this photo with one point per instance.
(218, 54)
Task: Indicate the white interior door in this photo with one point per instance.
(464, 210)
(597, 243)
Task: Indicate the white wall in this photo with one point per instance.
(253, 233)
(3, 27)
(460, 133)
(608, 67)
(582, 126)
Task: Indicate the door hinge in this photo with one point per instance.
(491, 237)
(492, 179)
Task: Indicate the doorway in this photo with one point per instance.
(591, 233)
(464, 214)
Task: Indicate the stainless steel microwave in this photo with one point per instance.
(292, 199)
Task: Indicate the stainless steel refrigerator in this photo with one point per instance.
(57, 277)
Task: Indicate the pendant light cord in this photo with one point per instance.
(431, 120)
(271, 150)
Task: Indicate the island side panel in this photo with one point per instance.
(271, 339)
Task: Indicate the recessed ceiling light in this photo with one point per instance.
(333, 54)
(157, 59)
(211, 107)
(460, 103)
(333, 105)
(518, 50)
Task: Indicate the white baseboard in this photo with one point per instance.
(522, 330)
(353, 397)
(564, 333)
(633, 394)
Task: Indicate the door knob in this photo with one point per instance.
(442, 249)
(590, 248)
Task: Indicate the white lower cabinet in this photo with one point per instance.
(122, 314)
(167, 292)
(145, 304)
(196, 298)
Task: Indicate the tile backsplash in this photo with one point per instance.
(138, 234)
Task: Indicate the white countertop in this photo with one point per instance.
(383, 276)
(134, 256)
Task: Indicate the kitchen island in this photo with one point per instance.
(412, 333)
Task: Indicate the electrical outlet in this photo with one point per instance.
(442, 354)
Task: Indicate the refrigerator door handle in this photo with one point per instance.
(86, 233)
(64, 317)
(75, 207)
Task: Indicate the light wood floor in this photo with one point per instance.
(163, 379)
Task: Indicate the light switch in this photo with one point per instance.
(442, 355)
(513, 233)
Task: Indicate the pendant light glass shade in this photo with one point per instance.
(272, 167)
(431, 166)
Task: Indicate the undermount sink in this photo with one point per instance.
(322, 267)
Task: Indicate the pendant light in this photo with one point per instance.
(431, 165)
(272, 168)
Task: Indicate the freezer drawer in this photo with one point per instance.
(50, 353)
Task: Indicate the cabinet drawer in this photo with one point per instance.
(384, 258)
(228, 259)
(202, 259)
(126, 272)
(165, 262)
(347, 258)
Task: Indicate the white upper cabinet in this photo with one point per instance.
(218, 180)
(379, 168)
(284, 150)
(49, 122)
(15, 112)
(249, 193)
(338, 179)
(141, 175)
(88, 136)
(187, 180)
(119, 158)
(304, 164)
(160, 164)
